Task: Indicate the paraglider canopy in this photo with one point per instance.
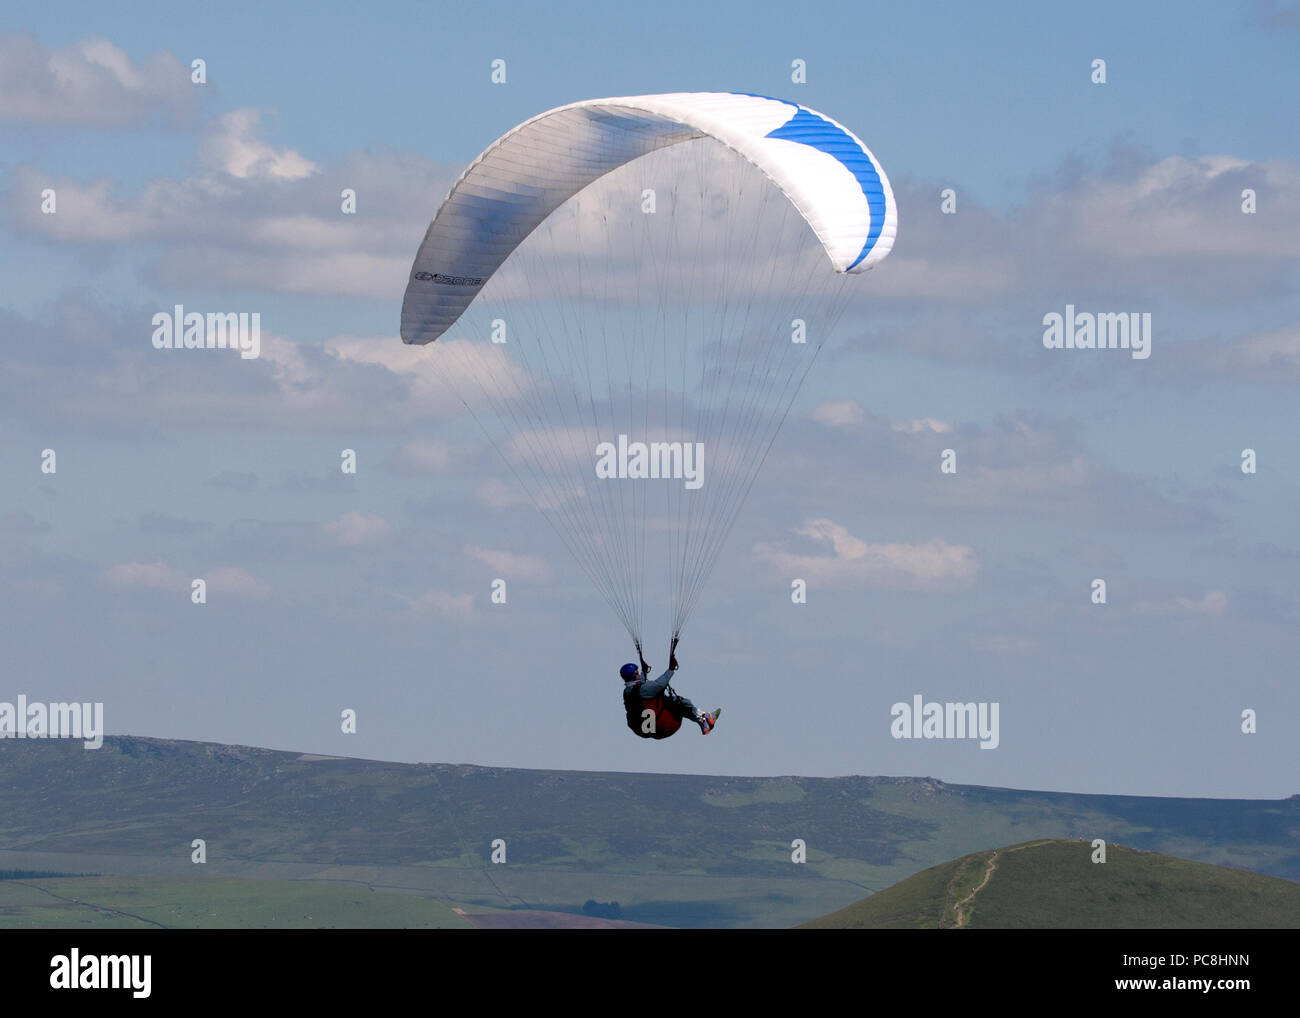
(525, 175)
(629, 293)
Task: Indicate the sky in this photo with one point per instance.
(371, 591)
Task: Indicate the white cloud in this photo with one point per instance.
(850, 414)
(1276, 350)
(297, 379)
(839, 413)
(1184, 206)
(1177, 220)
(440, 372)
(426, 455)
(91, 83)
(512, 565)
(506, 494)
(353, 529)
(1215, 602)
(299, 269)
(851, 561)
(498, 495)
(160, 576)
(1271, 356)
(235, 580)
(255, 217)
(117, 380)
(88, 212)
(1042, 479)
(922, 424)
(151, 575)
(234, 148)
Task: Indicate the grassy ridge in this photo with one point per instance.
(1056, 885)
(676, 850)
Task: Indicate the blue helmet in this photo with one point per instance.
(628, 671)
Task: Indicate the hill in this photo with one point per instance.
(1055, 885)
(672, 850)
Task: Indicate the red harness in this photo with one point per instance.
(666, 722)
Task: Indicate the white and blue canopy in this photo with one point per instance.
(823, 168)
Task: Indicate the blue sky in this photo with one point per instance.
(359, 591)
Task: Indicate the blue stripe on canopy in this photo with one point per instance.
(808, 128)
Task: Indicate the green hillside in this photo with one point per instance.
(672, 850)
(1056, 885)
(137, 902)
